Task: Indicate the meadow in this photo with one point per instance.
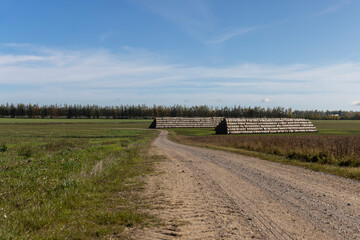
(73, 179)
(81, 179)
(334, 149)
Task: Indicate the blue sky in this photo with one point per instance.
(302, 54)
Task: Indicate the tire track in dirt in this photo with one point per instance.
(210, 194)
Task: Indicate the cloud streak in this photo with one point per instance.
(233, 34)
(195, 17)
(356, 103)
(244, 30)
(107, 35)
(54, 75)
(266, 100)
(332, 9)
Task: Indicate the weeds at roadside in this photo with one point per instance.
(338, 155)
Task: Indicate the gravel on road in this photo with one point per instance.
(209, 194)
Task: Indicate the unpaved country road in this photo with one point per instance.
(221, 195)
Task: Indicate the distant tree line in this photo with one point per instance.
(144, 111)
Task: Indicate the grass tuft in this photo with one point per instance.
(3, 147)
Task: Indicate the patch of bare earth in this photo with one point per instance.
(207, 194)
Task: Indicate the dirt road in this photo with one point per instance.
(209, 194)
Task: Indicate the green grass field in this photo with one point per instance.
(72, 179)
(123, 123)
(325, 127)
(79, 179)
(337, 127)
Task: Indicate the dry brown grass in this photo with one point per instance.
(341, 151)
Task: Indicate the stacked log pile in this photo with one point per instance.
(183, 122)
(264, 125)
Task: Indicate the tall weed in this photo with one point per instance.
(333, 150)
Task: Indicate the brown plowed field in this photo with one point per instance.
(208, 194)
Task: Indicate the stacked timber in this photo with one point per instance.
(183, 122)
(264, 125)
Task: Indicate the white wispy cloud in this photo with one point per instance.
(243, 30)
(198, 20)
(195, 17)
(16, 59)
(356, 103)
(107, 35)
(4, 44)
(333, 8)
(94, 64)
(142, 77)
(232, 34)
(266, 100)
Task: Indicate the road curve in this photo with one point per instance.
(239, 197)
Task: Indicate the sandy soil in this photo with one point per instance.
(208, 194)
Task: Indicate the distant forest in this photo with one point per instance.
(143, 111)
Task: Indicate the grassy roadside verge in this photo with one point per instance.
(343, 171)
(72, 181)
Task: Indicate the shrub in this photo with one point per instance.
(25, 151)
(3, 147)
